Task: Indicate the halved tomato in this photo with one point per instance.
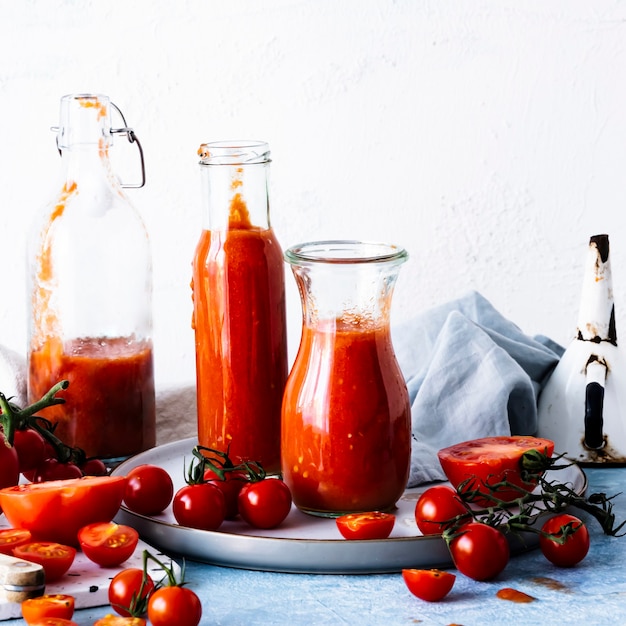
(118, 620)
(57, 509)
(53, 621)
(491, 460)
(372, 525)
(57, 605)
(431, 585)
(12, 537)
(55, 558)
(108, 543)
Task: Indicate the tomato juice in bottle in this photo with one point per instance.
(239, 308)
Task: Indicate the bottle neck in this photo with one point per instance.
(235, 187)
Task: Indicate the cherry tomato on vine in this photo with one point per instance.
(479, 551)
(264, 503)
(30, 446)
(149, 489)
(232, 484)
(200, 505)
(373, 525)
(53, 469)
(431, 585)
(108, 543)
(570, 542)
(436, 508)
(126, 591)
(94, 467)
(9, 464)
(118, 620)
(174, 605)
(12, 537)
(57, 605)
(55, 558)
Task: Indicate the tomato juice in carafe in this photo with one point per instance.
(346, 423)
(90, 291)
(239, 313)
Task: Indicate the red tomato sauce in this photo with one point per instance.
(346, 421)
(110, 407)
(241, 340)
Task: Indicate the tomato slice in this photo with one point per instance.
(431, 585)
(57, 509)
(55, 558)
(57, 605)
(491, 460)
(108, 543)
(12, 537)
(372, 525)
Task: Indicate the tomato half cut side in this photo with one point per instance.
(108, 543)
(372, 525)
(491, 460)
(118, 620)
(56, 605)
(12, 537)
(55, 558)
(431, 585)
(56, 510)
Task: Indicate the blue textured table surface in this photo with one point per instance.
(594, 592)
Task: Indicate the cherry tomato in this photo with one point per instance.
(108, 543)
(200, 506)
(231, 486)
(492, 460)
(53, 469)
(29, 445)
(56, 510)
(53, 621)
(436, 508)
(58, 605)
(94, 467)
(264, 503)
(374, 525)
(118, 620)
(479, 551)
(149, 489)
(128, 589)
(174, 605)
(573, 534)
(12, 537)
(431, 585)
(9, 464)
(55, 558)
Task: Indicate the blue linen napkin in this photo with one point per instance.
(470, 373)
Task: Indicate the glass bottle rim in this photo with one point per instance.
(345, 252)
(234, 152)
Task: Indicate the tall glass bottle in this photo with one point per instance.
(239, 307)
(90, 291)
(346, 417)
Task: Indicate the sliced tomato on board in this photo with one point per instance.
(371, 525)
(431, 585)
(108, 543)
(12, 537)
(55, 558)
(491, 460)
(56, 605)
(56, 510)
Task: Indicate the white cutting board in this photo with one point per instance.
(86, 581)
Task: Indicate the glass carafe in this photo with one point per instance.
(346, 418)
(90, 292)
(239, 307)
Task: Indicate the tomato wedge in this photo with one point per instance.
(57, 509)
(55, 558)
(12, 537)
(431, 585)
(492, 460)
(57, 605)
(108, 543)
(372, 525)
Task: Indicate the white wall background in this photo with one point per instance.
(487, 136)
